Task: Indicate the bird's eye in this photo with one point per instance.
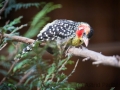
(83, 33)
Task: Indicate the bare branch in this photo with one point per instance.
(19, 38)
(97, 57)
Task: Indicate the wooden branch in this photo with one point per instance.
(19, 38)
(97, 57)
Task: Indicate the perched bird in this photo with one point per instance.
(64, 31)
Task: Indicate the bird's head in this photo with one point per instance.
(84, 32)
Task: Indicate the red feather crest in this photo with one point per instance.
(79, 33)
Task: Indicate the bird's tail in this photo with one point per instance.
(27, 49)
(30, 48)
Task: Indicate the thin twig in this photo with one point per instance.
(38, 88)
(63, 65)
(69, 74)
(17, 48)
(18, 28)
(9, 71)
(72, 71)
(3, 46)
(3, 8)
(24, 77)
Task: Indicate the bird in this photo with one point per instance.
(63, 32)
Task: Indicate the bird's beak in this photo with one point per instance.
(85, 40)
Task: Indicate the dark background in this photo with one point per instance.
(104, 17)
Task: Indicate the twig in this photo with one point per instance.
(72, 71)
(18, 28)
(3, 46)
(17, 48)
(68, 75)
(24, 77)
(3, 8)
(9, 71)
(63, 65)
(38, 88)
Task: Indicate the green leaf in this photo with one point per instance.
(51, 69)
(112, 88)
(10, 27)
(16, 21)
(63, 68)
(29, 78)
(33, 31)
(2, 58)
(61, 62)
(70, 62)
(13, 5)
(21, 64)
(40, 19)
(11, 48)
(33, 83)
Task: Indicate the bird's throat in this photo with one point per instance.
(76, 41)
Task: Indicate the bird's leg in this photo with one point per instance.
(66, 43)
(80, 46)
(64, 46)
(67, 51)
(60, 49)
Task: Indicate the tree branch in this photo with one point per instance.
(97, 57)
(19, 38)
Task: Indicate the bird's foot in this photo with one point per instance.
(82, 47)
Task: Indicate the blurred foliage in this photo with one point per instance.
(16, 6)
(1, 3)
(32, 71)
(40, 19)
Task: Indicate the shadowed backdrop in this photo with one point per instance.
(104, 18)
